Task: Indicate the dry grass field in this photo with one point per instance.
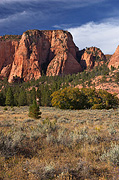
(62, 144)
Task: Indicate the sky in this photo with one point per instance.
(91, 22)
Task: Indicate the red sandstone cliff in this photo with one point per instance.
(92, 57)
(7, 51)
(64, 52)
(114, 60)
(49, 52)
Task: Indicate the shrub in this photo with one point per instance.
(34, 110)
(112, 154)
(5, 108)
(73, 98)
(100, 99)
(92, 96)
(69, 98)
(108, 100)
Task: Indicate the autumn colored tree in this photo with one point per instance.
(69, 98)
(73, 98)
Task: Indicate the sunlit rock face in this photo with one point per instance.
(114, 60)
(50, 52)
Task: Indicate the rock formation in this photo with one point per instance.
(114, 60)
(37, 52)
(92, 57)
(49, 52)
(64, 51)
(7, 51)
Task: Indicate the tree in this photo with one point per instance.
(38, 94)
(22, 99)
(33, 94)
(108, 100)
(9, 97)
(73, 98)
(69, 98)
(2, 99)
(34, 110)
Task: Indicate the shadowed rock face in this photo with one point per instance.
(114, 60)
(49, 52)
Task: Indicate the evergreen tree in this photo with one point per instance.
(9, 97)
(22, 100)
(34, 110)
(2, 99)
(16, 98)
(33, 95)
(38, 93)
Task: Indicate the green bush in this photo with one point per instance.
(108, 100)
(73, 98)
(34, 111)
(69, 98)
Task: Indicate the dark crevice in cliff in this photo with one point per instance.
(49, 58)
(79, 54)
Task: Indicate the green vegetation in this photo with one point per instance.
(24, 93)
(34, 110)
(9, 97)
(69, 98)
(73, 98)
(60, 144)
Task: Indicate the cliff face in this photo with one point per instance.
(62, 55)
(92, 57)
(37, 52)
(49, 52)
(114, 60)
(7, 51)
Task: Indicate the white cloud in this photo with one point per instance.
(13, 17)
(22, 17)
(104, 35)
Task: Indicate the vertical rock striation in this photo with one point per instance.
(38, 52)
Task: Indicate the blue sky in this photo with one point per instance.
(91, 22)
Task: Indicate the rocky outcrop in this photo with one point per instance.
(64, 51)
(36, 52)
(92, 57)
(49, 52)
(7, 51)
(114, 60)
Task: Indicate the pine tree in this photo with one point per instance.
(2, 99)
(22, 100)
(38, 93)
(9, 97)
(34, 110)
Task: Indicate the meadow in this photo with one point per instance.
(62, 144)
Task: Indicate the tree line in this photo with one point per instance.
(21, 94)
(73, 98)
